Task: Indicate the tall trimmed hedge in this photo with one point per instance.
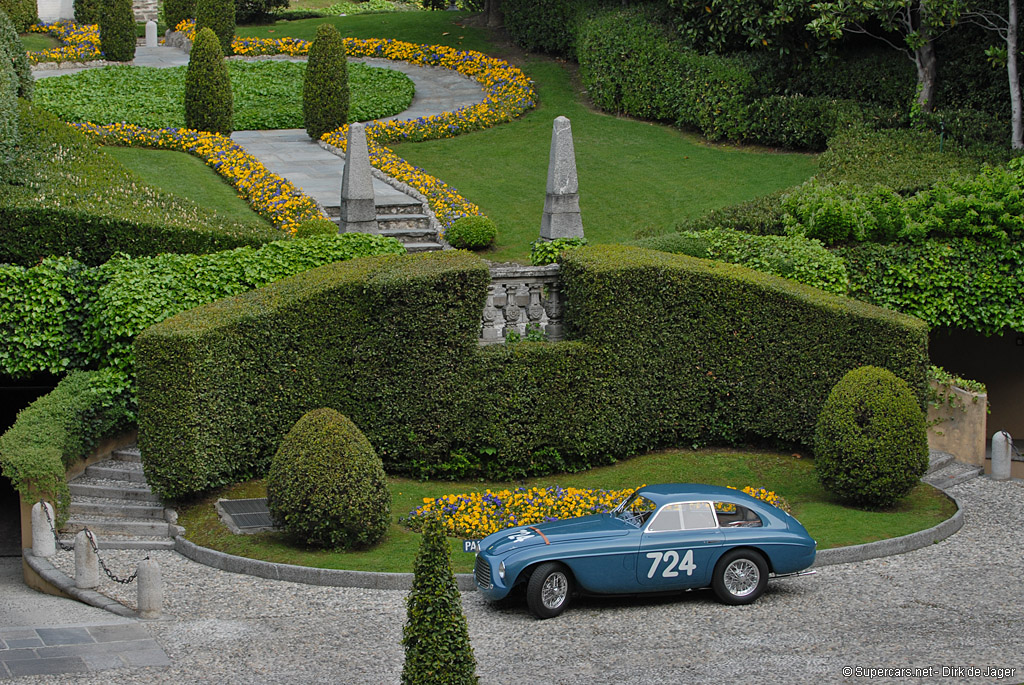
(208, 102)
(12, 47)
(22, 13)
(87, 11)
(218, 15)
(176, 11)
(117, 30)
(10, 136)
(666, 350)
(325, 92)
(548, 26)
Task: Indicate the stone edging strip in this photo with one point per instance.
(55, 577)
(893, 546)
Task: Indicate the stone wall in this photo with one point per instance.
(56, 10)
(958, 425)
(521, 298)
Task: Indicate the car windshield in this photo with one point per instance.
(634, 510)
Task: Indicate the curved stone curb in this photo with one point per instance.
(893, 546)
(304, 574)
(55, 577)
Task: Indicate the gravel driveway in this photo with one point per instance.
(956, 605)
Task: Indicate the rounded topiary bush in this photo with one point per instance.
(117, 30)
(871, 442)
(317, 226)
(326, 485)
(11, 45)
(208, 102)
(325, 91)
(218, 15)
(471, 233)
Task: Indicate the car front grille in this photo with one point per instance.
(483, 573)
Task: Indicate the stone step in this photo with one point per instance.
(131, 453)
(410, 208)
(403, 222)
(938, 460)
(113, 469)
(952, 474)
(109, 525)
(412, 234)
(101, 506)
(112, 489)
(127, 542)
(422, 247)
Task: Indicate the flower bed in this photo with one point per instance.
(475, 515)
(269, 195)
(509, 94)
(79, 43)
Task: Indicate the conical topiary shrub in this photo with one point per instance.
(871, 442)
(327, 486)
(11, 46)
(218, 15)
(325, 92)
(117, 30)
(436, 637)
(208, 103)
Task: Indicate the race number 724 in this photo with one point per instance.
(673, 564)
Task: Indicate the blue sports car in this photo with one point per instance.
(661, 538)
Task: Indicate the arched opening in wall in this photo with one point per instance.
(15, 395)
(997, 361)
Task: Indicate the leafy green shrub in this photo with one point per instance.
(905, 160)
(969, 127)
(629, 64)
(176, 11)
(436, 636)
(958, 283)
(325, 93)
(548, 251)
(257, 11)
(471, 233)
(433, 5)
(22, 13)
(87, 11)
(208, 103)
(760, 216)
(326, 485)
(60, 428)
(798, 122)
(10, 137)
(871, 441)
(219, 16)
(117, 30)
(318, 226)
(796, 258)
(10, 44)
(76, 200)
(841, 213)
(548, 27)
(664, 350)
(61, 315)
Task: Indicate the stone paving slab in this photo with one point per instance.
(26, 651)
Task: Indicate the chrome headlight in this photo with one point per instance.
(501, 570)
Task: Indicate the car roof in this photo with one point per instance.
(680, 492)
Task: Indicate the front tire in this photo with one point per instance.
(741, 576)
(549, 591)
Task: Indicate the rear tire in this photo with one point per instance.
(741, 576)
(549, 591)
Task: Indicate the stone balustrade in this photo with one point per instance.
(521, 299)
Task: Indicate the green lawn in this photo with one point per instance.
(186, 176)
(830, 523)
(34, 42)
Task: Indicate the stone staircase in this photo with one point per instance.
(111, 499)
(944, 471)
(404, 221)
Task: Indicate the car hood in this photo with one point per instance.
(554, 532)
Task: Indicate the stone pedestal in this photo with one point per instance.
(1002, 452)
(151, 39)
(151, 590)
(87, 564)
(43, 542)
(358, 207)
(562, 217)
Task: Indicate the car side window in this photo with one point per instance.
(684, 516)
(731, 515)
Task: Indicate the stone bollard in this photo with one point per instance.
(358, 207)
(1002, 448)
(87, 564)
(43, 542)
(562, 217)
(151, 591)
(151, 41)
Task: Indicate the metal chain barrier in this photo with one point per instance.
(92, 542)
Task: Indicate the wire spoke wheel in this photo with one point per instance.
(741, 577)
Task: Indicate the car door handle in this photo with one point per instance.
(710, 542)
